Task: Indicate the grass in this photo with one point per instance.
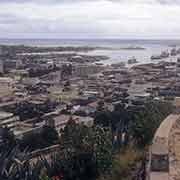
(124, 164)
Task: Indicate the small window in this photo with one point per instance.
(160, 163)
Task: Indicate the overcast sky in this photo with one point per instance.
(90, 19)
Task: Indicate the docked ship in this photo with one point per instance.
(173, 52)
(178, 51)
(164, 54)
(156, 57)
(132, 60)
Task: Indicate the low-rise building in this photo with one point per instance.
(85, 70)
(59, 121)
(22, 129)
(8, 119)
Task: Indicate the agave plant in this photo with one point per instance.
(17, 166)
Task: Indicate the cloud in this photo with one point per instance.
(94, 18)
(76, 1)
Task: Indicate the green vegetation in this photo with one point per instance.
(84, 153)
(124, 164)
(7, 140)
(46, 137)
(146, 122)
(139, 128)
(88, 153)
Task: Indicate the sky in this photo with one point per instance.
(125, 19)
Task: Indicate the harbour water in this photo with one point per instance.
(110, 47)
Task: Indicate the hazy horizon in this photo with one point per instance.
(91, 38)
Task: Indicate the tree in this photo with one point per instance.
(146, 122)
(50, 135)
(84, 154)
(103, 118)
(7, 139)
(38, 140)
(118, 121)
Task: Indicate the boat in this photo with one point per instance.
(132, 60)
(99, 64)
(156, 57)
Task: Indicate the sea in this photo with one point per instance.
(113, 48)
